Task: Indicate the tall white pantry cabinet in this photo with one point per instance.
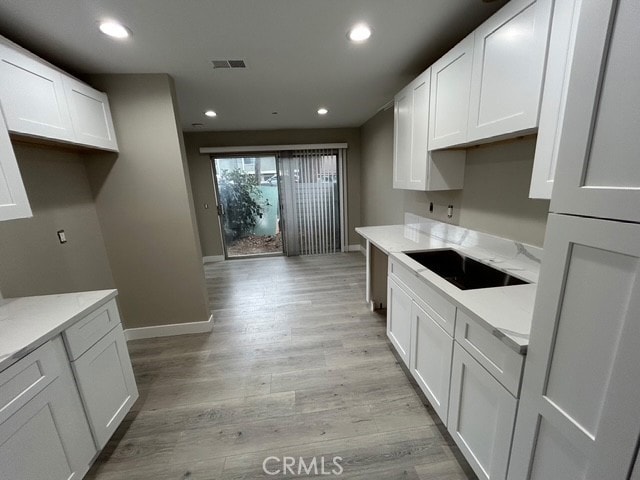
(579, 414)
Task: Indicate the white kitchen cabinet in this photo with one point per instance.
(41, 101)
(599, 174)
(414, 167)
(508, 70)
(33, 96)
(481, 416)
(450, 90)
(399, 306)
(554, 96)
(402, 137)
(430, 352)
(578, 415)
(44, 434)
(90, 115)
(13, 196)
(504, 363)
(106, 383)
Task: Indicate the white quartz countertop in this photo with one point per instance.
(505, 311)
(28, 322)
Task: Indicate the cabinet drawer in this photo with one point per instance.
(443, 311)
(25, 379)
(86, 332)
(501, 361)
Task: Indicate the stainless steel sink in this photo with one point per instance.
(462, 271)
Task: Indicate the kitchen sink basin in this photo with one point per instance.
(462, 271)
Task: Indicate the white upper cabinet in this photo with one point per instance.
(33, 97)
(450, 87)
(599, 172)
(41, 101)
(13, 197)
(90, 115)
(414, 167)
(508, 69)
(554, 96)
(411, 111)
(402, 117)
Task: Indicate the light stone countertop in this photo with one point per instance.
(505, 311)
(28, 322)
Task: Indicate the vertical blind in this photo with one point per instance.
(311, 181)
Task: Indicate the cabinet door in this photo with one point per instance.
(33, 97)
(410, 134)
(399, 306)
(431, 351)
(578, 416)
(599, 171)
(449, 103)
(47, 437)
(402, 113)
(508, 67)
(554, 96)
(107, 385)
(481, 416)
(90, 115)
(13, 197)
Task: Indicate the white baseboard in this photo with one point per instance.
(213, 258)
(363, 250)
(354, 248)
(168, 330)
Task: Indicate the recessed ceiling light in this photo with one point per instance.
(359, 33)
(114, 29)
(210, 113)
(322, 111)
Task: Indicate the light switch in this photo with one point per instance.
(62, 237)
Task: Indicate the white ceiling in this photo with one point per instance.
(297, 53)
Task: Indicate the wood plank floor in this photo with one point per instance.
(296, 366)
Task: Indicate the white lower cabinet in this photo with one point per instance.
(106, 383)
(60, 404)
(469, 376)
(481, 416)
(399, 305)
(431, 350)
(44, 434)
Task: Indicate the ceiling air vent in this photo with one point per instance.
(228, 64)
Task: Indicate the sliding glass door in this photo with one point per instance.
(289, 202)
(248, 205)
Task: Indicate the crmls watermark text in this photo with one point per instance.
(299, 466)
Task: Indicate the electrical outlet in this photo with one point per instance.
(61, 236)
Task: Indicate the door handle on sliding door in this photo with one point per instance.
(220, 209)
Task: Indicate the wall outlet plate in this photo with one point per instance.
(61, 236)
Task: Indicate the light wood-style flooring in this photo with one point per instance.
(296, 366)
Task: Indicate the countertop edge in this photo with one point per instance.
(497, 332)
(9, 360)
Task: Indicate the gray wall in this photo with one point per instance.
(202, 180)
(32, 261)
(144, 207)
(495, 195)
